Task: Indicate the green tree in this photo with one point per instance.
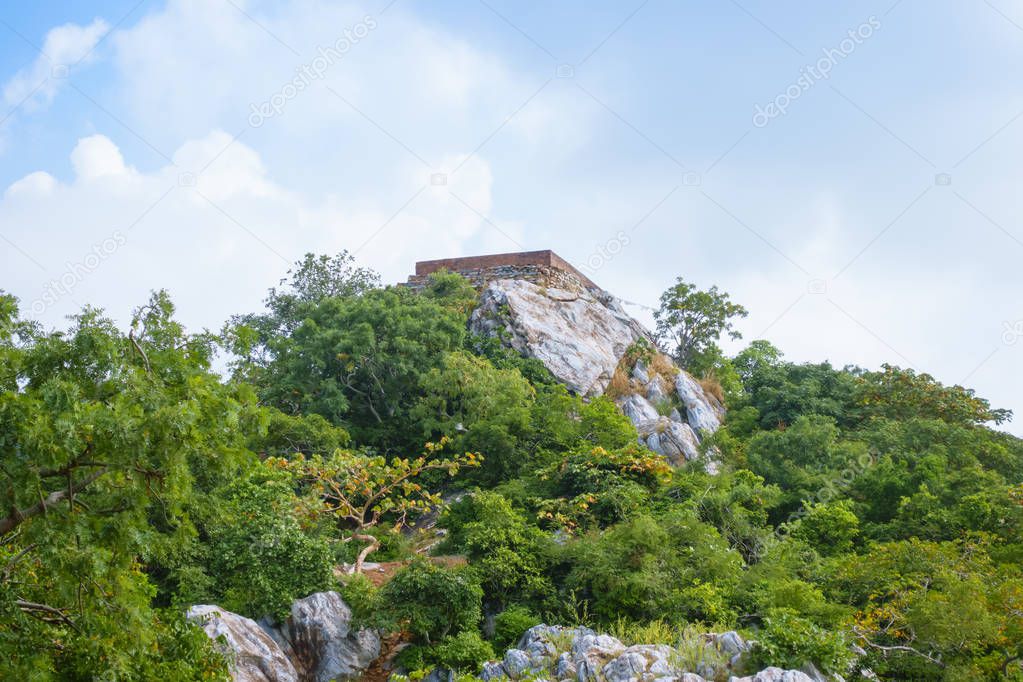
(480, 408)
(104, 437)
(830, 528)
(360, 491)
(674, 567)
(357, 361)
(691, 321)
(510, 556)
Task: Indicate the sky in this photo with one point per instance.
(849, 172)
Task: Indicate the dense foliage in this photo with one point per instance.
(859, 518)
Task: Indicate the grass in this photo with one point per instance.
(692, 653)
(654, 632)
(711, 386)
(661, 364)
(620, 384)
(664, 406)
(691, 649)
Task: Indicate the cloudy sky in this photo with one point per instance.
(849, 173)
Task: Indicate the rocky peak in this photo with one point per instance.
(542, 307)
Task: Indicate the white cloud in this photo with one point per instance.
(217, 238)
(37, 184)
(95, 157)
(65, 48)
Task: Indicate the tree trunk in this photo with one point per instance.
(374, 545)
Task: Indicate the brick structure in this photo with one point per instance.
(545, 268)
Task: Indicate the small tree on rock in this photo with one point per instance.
(691, 321)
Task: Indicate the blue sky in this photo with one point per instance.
(875, 220)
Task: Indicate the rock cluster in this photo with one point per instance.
(677, 434)
(569, 654)
(316, 643)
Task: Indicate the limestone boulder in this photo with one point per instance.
(637, 408)
(254, 655)
(316, 643)
(703, 412)
(321, 640)
(578, 335)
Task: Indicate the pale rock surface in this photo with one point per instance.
(315, 644)
(640, 373)
(656, 391)
(701, 413)
(675, 440)
(256, 657)
(577, 336)
(637, 408)
(591, 657)
(323, 643)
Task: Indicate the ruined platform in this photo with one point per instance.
(544, 268)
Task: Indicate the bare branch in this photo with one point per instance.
(18, 516)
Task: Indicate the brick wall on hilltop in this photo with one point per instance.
(544, 268)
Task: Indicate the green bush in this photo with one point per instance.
(789, 641)
(260, 557)
(431, 601)
(510, 625)
(466, 651)
(829, 528)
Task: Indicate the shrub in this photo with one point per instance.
(260, 557)
(653, 632)
(788, 641)
(466, 651)
(510, 625)
(711, 385)
(830, 528)
(431, 601)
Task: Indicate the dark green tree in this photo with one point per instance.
(690, 321)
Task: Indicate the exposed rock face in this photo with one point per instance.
(703, 412)
(319, 639)
(580, 334)
(579, 338)
(673, 439)
(315, 644)
(638, 409)
(256, 657)
(557, 653)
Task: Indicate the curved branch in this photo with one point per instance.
(18, 516)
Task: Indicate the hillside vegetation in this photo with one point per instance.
(871, 519)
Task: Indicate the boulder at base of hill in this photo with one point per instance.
(255, 656)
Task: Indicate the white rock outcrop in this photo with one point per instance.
(254, 655)
(581, 336)
(558, 653)
(315, 644)
(703, 412)
(319, 639)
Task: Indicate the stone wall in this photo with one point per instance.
(540, 275)
(545, 268)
